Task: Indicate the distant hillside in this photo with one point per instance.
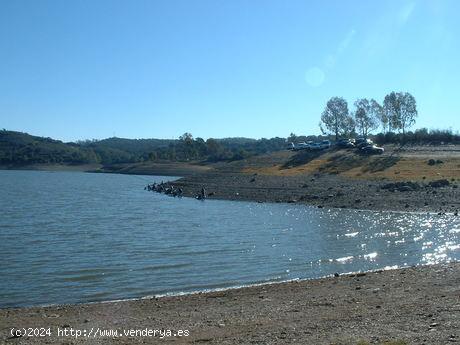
(18, 148)
(133, 146)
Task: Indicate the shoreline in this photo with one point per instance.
(412, 304)
(402, 179)
(220, 289)
(322, 191)
(318, 190)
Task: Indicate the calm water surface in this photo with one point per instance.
(76, 237)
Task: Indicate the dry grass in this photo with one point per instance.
(388, 166)
(413, 169)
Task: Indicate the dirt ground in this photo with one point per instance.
(407, 306)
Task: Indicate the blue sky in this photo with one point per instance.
(141, 69)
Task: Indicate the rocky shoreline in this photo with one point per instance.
(415, 305)
(326, 190)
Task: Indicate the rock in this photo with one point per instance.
(407, 186)
(431, 162)
(405, 189)
(357, 201)
(439, 183)
(336, 274)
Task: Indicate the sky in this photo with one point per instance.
(89, 69)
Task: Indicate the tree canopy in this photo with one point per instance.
(401, 111)
(336, 119)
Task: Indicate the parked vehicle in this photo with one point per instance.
(316, 146)
(363, 142)
(325, 144)
(372, 149)
(299, 146)
(310, 145)
(346, 143)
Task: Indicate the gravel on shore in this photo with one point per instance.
(324, 190)
(418, 305)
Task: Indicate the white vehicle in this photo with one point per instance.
(301, 146)
(316, 146)
(325, 144)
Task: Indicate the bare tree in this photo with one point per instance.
(335, 117)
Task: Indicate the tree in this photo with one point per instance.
(336, 119)
(391, 110)
(187, 137)
(383, 118)
(292, 138)
(349, 127)
(366, 115)
(408, 111)
(401, 110)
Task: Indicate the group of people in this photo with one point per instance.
(169, 189)
(165, 188)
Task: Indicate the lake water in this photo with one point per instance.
(77, 237)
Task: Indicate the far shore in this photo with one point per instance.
(148, 168)
(53, 167)
(415, 305)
